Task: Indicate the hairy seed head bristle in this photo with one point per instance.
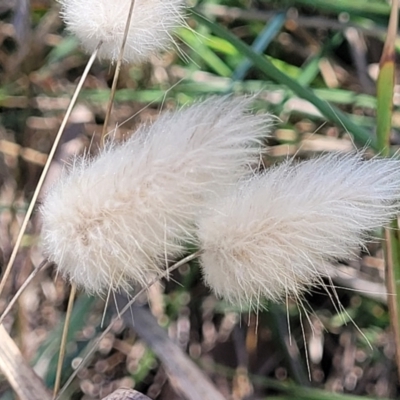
(276, 233)
(120, 217)
(95, 21)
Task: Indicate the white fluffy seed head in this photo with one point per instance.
(121, 217)
(278, 232)
(95, 21)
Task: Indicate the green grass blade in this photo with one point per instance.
(385, 92)
(260, 44)
(357, 7)
(208, 56)
(47, 355)
(290, 390)
(392, 258)
(360, 135)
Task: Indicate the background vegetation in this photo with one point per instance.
(313, 64)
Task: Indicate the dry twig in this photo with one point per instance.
(26, 384)
(183, 373)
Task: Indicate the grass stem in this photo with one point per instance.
(117, 72)
(45, 171)
(42, 266)
(64, 339)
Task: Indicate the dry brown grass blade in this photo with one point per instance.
(183, 373)
(117, 71)
(43, 265)
(64, 338)
(26, 384)
(126, 394)
(45, 170)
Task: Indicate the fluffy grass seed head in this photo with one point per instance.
(119, 218)
(277, 232)
(95, 21)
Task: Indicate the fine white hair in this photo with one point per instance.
(276, 233)
(95, 21)
(121, 217)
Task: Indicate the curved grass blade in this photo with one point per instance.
(361, 136)
(204, 52)
(372, 9)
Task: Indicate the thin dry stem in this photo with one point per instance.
(64, 338)
(108, 113)
(19, 374)
(45, 171)
(42, 266)
(117, 71)
(109, 109)
(122, 312)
